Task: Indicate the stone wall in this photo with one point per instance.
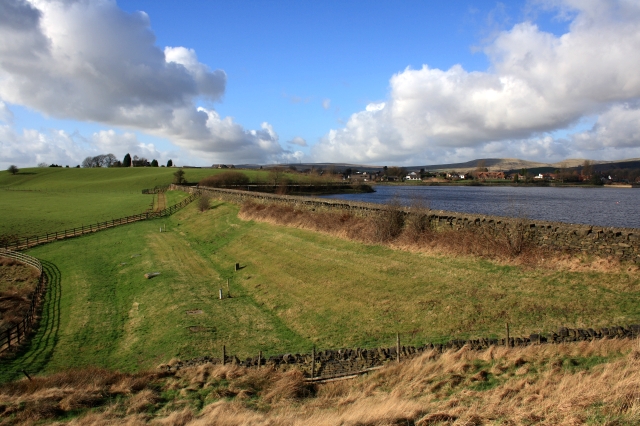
(341, 362)
(621, 243)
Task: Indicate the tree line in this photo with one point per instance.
(110, 160)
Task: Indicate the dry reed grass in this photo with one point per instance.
(584, 383)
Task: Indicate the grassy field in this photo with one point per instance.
(296, 289)
(40, 200)
(99, 180)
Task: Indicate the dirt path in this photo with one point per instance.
(161, 202)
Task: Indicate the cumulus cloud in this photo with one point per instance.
(619, 127)
(298, 141)
(6, 116)
(537, 83)
(30, 147)
(89, 60)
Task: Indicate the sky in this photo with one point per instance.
(365, 82)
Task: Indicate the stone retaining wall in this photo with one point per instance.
(621, 243)
(333, 363)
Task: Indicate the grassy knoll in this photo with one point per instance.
(105, 179)
(296, 288)
(28, 213)
(39, 200)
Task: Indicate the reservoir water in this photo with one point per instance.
(618, 207)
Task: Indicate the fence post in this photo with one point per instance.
(313, 363)
(259, 359)
(224, 354)
(508, 343)
(398, 347)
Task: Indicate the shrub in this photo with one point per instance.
(389, 221)
(178, 177)
(225, 180)
(203, 203)
(417, 221)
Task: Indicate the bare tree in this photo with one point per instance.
(88, 162)
(276, 175)
(43, 164)
(108, 160)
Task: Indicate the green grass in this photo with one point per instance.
(40, 200)
(296, 289)
(34, 213)
(105, 179)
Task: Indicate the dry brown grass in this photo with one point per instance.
(17, 283)
(585, 383)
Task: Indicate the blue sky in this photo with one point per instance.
(412, 82)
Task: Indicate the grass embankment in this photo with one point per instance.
(296, 288)
(586, 383)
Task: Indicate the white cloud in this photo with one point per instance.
(6, 116)
(619, 127)
(298, 141)
(31, 147)
(326, 103)
(91, 61)
(537, 83)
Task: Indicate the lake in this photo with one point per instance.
(617, 207)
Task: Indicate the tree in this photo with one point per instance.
(13, 169)
(127, 161)
(399, 172)
(178, 177)
(276, 175)
(170, 163)
(587, 168)
(140, 162)
(43, 165)
(108, 160)
(154, 163)
(88, 162)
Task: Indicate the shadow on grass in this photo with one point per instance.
(35, 355)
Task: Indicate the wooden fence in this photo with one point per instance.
(27, 242)
(16, 335)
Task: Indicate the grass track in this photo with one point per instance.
(296, 289)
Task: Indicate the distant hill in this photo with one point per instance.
(493, 164)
